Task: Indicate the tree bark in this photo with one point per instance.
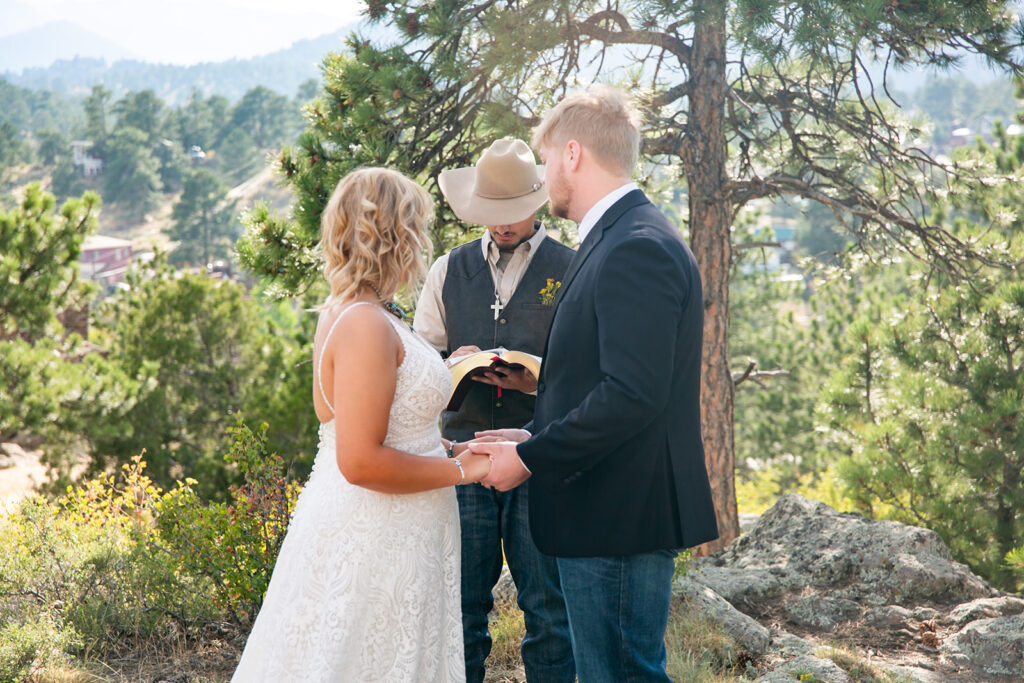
(710, 223)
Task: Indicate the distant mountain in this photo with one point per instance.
(281, 71)
(52, 41)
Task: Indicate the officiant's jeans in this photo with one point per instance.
(490, 518)
(618, 612)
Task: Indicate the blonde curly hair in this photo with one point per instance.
(374, 231)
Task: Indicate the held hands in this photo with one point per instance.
(507, 470)
(461, 447)
(513, 435)
(475, 466)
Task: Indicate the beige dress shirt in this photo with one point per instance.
(429, 320)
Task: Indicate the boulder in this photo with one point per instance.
(892, 617)
(784, 643)
(993, 646)
(802, 543)
(892, 591)
(984, 608)
(747, 632)
(792, 670)
(819, 612)
(504, 590)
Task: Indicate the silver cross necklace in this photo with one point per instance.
(497, 306)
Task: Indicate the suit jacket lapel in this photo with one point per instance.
(577, 260)
(609, 218)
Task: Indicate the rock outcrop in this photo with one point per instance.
(806, 577)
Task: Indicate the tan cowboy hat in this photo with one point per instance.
(506, 185)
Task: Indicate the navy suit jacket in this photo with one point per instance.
(616, 455)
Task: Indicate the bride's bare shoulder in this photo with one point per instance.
(357, 324)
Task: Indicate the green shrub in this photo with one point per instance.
(233, 545)
(27, 647)
(84, 570)
(116, 561)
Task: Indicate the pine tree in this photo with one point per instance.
(13, 150)
(204, 221)
(131, 174)
(264, 115)
(96, 117)
(928, 404)
(51, 144)
(198, 350)
(39, 250)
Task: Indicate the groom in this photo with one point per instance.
(617, 483)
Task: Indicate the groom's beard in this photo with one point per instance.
(559, 198)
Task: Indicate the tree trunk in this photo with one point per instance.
(710, 223)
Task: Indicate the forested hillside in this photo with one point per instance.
(282, 71)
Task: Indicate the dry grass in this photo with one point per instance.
(859, 668)
(211, 659)
(505, 663)
(698, 652)
(65, 674)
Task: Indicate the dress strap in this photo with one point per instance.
(323, 348)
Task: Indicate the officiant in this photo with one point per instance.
(497, 291)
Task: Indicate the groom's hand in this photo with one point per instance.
(507, 470)
(514, 435)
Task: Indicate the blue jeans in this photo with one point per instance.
(489, 519)
(618, 612)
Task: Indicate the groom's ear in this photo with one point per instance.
(574, 154)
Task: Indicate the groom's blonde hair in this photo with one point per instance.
(374, 231)
(601, 119)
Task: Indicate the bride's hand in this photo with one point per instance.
(462, 446)
(475, 466)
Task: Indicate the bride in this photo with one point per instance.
(366, 586)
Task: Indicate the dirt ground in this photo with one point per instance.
(21, 472)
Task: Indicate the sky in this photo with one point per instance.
(188, 31)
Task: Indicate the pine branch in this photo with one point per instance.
(755, 376)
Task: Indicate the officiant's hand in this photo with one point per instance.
(507, 470)
(516, 379)
(475, 466)
(514, 435)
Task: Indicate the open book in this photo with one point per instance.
(466, 367)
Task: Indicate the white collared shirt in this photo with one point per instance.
(430, 315)
(591, 218)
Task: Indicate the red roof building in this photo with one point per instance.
(105, 260)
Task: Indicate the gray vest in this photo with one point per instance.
(468, 294)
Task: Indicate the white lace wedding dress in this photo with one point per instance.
(366, 586)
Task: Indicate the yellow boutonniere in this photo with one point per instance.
(547, 295)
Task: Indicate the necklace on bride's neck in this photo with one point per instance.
(389, 306)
